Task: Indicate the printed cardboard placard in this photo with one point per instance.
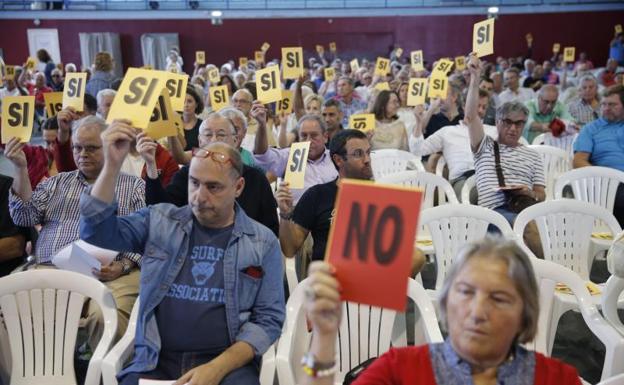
(285, 105)
(417, 60)
(483, 38)
(269, 85)
(292, 62)
(53, 103)
(162, 121)
(362, 122)
(74, 90)
(176, 86)
(416, 91)
(18, 117)
(296, 166)
(219, 97)
(382, 66)
(200, 57)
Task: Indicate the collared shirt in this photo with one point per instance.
(558, 112)
(54, 205)
(604, 141)
(521, 95)
(583, 112)
(450, 369)
(356, 105)
(321, 170)
(454, 143)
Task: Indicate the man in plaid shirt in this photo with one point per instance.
(54, 206)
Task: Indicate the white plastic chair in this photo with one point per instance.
(364, 332)
(452, 226)
(439, 171)
(469, 184)
(428, 182)
(556, 162)
(41, 309)
(291, 273)
(548, 274)
(124, 349)
(389, 161)
(597, 185)
(615, 380)
(610, 299)
(564, 227)
(564, 142)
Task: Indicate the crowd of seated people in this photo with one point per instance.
(202, 232)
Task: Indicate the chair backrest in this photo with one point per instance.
(389, 161)
(469, 184)
(439, 171)
(556, 162)
(548, 274)
(609, 301)
(365, 332)
(597, 185)
(615, 380)
(565, 227)
(428, 182)
(452, 226)
(564, 142)
(41, 309)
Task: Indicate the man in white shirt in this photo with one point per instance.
(10, 89)
(454, 143)
(513, 92)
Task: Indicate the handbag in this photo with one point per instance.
(516, 201)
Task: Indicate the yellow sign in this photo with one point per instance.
(362, 122)
(213, 76)
(268, 85)
(31, 62)
(265, 47)
(137, 96)
(355, 66)
(417, 60)
(296, 166)
(176, 86)
(382, 86)
(292, 62)
(382, 67)
(161, 122)
(9, 72)
(460, 63)
(53, 103)
(483, 38)
(259, 57)
(568, 54)
(242, 61)
(556, 47)
(320, 49)
(618, 28)
(399, 52)
(438, 86)
(443, 66)
(200, 57)
(18, 116)
(332, 46)
(416, 91)
(219, 97)
(74, 90)
(285, 105)
(330, 74)
(148, 67)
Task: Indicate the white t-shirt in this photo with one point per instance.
(133, 165)
(454, 143)
(521, 95)
(4, 92)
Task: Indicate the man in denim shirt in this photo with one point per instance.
(208, 271)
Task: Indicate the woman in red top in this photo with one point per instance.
(489, 305)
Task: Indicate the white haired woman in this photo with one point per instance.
(489, 305)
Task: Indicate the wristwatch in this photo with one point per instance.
(286, 216)
(126, 267)
(315, 369)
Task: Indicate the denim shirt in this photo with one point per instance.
(161, 233)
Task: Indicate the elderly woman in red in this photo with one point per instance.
(489, 305)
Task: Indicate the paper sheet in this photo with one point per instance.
(83, 257)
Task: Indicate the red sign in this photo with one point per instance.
(371, 242)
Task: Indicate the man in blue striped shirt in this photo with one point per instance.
(53, 205)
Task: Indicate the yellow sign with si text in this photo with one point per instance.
(416, 91)
(296, 166)
(18, 116)
(399, 52)
(438, 86)
(417, 60)
(74, 90)
(568, 54)
(556, 48)
(242, 61)
(330, 74)
(162, 122)
(200, 57)
(382, 66)
(483, 38)
(460, 63)
(382, 86)
(213, 76)
(176, 86)
(332, 46)
(285, 105)
(362, 122)
(269, 85)
(292, 62)
(618, 28)
(442, 66)
(31, 62)
(219, 97)
(265, 47)
(259, 57)
(53, 103)
(137, 96)
(355, 66)
(9, 72)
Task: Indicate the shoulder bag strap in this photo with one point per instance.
(497, 165)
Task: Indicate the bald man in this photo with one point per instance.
(543, 110)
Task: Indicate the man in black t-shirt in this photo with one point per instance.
(350, 152)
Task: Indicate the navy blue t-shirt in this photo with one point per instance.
(191, 317)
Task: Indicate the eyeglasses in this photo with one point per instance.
(56, 76)
(241, 101)
(216, 156)
(549, 102)
(219, 135)
(88, 149)
(359, 154)
(517, 123)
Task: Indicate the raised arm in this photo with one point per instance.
(177, 150)
(14, 152)
(298, 102)
(471, 115)
(261, 144)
